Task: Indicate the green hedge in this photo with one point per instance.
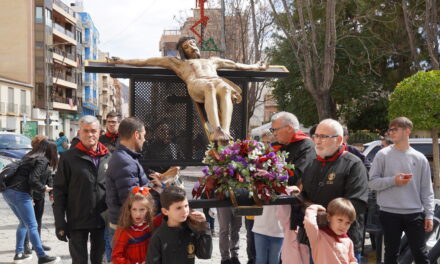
(362, 137)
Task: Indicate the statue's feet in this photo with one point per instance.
(220, 135)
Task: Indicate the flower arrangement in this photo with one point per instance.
(249, 164)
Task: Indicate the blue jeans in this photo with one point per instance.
(109, 233)
(267, 249)
(21, 205)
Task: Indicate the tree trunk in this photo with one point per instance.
(324, 105)
(436, 162)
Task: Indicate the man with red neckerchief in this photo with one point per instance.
(285, 128)
(336, 173)
(111, 136)
(79, 194)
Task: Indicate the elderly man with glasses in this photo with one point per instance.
(285, 128)
(335, 173)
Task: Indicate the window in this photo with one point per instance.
(48, 17)
(39, 15)
(11, 100)
(23, 101)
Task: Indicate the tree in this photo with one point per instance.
(418, 98)
(316, 66)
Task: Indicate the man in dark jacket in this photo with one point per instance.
(285, 128)
(124, 171)
(110, 138)
(79, 194)
(335, 173)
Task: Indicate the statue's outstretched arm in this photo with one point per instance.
(229, 64)
(166, 62)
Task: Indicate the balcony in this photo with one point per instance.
(62, 103)
(64, 10)
(64, 34)
(25, 109)
(64, 58)
(66, 81)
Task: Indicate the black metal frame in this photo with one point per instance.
(161, 75)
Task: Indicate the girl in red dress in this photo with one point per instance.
(135, 228)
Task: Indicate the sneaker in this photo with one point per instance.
(226, 261)
(213, 234)
(234, 260)
(21, 257)
(47, 260)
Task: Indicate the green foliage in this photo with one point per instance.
(362, 137)
(372, 56)
(418, 98)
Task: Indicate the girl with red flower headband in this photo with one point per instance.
(135, 228)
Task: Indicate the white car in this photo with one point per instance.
(423, 145)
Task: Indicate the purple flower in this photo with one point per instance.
(283, 177)
(196, 186)
(217, 170)
(230, 170)
(205, 170)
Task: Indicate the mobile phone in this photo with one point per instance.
(407, 176)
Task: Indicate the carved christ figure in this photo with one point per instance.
(204, 85)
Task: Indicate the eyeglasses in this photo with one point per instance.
(111, 121)
(393, 130)
(273, 130)
(323, 137)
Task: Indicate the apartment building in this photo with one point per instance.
(90, 40)
(16, 62)
(107, 91)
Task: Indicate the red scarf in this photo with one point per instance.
(335, 156)
(330, 232)
(112, 137)
(101, 150)
(299, 135)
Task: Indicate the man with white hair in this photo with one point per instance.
(335, 173)
(79, 194)
(285, 128)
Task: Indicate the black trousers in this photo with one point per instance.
(250, 248)
(39, 210)
(78, 245)
(414, 227)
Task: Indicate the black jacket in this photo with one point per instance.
(345, 177)
(31, 175)
(109, 143)
(79, 191)
(178, 245)
(301, 154)
(124, 172)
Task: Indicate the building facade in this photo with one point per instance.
(17, 62)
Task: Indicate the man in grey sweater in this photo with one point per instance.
(402, 179)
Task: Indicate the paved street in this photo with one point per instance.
(8, 225)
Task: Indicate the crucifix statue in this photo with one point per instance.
(204, 85)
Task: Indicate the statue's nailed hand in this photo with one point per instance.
(113, 60)
(261, 65)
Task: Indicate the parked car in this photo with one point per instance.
(14, 145)
(423, 145)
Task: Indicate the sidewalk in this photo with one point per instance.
(9, 223)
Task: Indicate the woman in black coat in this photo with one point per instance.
(30, 177)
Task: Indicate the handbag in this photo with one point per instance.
(7, 173)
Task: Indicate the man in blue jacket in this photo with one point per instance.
(124, 171)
